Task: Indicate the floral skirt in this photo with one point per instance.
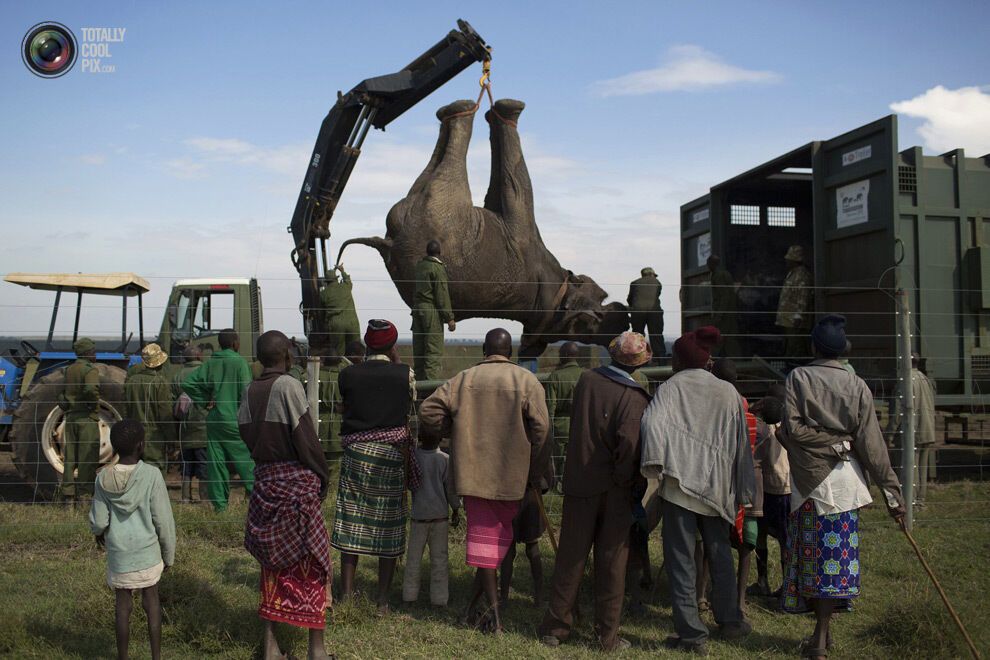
(822, 558)
(296, 595)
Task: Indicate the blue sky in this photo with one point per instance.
(186, 161)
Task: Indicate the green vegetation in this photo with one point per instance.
(55, 602)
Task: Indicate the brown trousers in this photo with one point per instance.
(601, 522)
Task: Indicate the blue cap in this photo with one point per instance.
(829, 336)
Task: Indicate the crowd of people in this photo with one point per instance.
(718, 473)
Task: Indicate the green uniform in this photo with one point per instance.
(82, 428)
(559, 387)
(192, 429)
(220, 382)
(149, 401)
(339, 315)
(724, 311)
(330, 416)
(431, 309)
(297, 372)
(794, 311)
(645, 311)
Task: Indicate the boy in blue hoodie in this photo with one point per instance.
(132, 518)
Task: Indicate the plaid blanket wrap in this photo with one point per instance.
(285, 519)
(396, 436)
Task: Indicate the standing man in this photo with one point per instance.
(149, 401)
(923, 389)
(559, 386)
(191, 418)
(696, 439)
(645, 311)
(794, 307)
(82, 424)
(330, 412)
(219, 385)
(339, 314)
(431, 309)
(725, 307)
(831, 434)
(496, 418)
(603, 455)
(285, 530)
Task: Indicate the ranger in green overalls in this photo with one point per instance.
(330, 413)
(559, 387)
(218, 385)
(81, 433)
(149, 401)
(340, 316)
(431, 309)
(191, 419)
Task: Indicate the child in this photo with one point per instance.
(131, 518)
(429, 521)
(776, 495)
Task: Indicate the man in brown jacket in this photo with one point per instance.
(496, 418)
(603, 454)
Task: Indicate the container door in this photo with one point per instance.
(855, 178)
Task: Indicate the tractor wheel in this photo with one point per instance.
(36, 436)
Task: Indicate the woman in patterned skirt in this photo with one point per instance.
(378, 465)
(831, 433)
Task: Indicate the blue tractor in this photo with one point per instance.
(31, 378)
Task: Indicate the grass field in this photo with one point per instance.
(55, 603)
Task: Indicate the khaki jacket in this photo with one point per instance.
(496, 418)
(795, 299)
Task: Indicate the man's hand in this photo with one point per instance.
(897, 513)
(455, 518)
(101, 541)
(451, 325)
(796, 318)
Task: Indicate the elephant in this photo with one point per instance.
(496, 261)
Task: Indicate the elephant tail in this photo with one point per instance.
(383, 245)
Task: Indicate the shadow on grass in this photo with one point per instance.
(84, 642)
(195, 609)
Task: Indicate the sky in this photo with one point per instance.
(187, 159)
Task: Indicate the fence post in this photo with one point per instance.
(313, 389)
(907, 404)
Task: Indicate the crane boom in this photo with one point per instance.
(372, 102)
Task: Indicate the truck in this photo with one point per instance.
(31, 379)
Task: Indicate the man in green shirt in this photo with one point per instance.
(559, 387)
(725, 307)
(431, 309)
(330, 413)
(149, 401)
(219, 385)
(82, 426)
(339, 313)
(645, 311)
(191, 418)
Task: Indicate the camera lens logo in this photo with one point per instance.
(49, 50)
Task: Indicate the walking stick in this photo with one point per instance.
(941, 592)
(546, 520)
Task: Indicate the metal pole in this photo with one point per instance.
(75, 325)
(907, 406)
(123, 322)
(51, 328)
(141, 322)
(313, 389)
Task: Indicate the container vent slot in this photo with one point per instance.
(740, 214)
(980, 367)
(907, 179)
(781, 216)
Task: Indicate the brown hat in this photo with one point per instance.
(794, 253)
(153, 356)
(84, 346)
(648, 271)
(630, 349)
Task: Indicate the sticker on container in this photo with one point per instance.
(856, 155)
(851, 204)
(698, 216)
(704, 248)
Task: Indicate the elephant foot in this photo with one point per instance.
(507, 109)
(454, 108)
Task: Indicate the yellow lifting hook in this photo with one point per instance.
(486, 73)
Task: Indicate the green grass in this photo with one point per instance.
(55, 602)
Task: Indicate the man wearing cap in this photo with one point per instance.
(82, 427)
(794, 313)
(431, 309)
(695, 438)
(831, 434)
(725, 307)
(339, 315)
(148, 394)
(496, 418)
(219, 386)
(378, 463)
(603, 455)
(645, 311)
(191, 423)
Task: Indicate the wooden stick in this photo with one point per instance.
(941, 592)
(546, 520)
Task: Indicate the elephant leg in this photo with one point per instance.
(426, 176)
(510, 191)
(449, 177)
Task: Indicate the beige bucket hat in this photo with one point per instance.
(153, 356)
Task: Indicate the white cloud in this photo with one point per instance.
(684, 68)
(954, 118)
(204, 152)
(92, 159)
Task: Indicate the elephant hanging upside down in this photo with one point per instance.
(496, 261)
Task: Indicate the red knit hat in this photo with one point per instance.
(694, 349)
(381, 335)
